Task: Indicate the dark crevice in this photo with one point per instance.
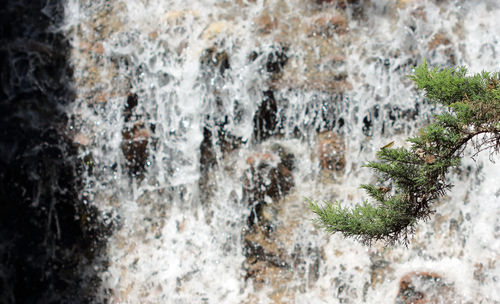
(49, 238)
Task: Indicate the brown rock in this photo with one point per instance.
(259, 157)
(153, 35)
(267, 264)
(266, 23)
(266, 178)
(380, 268)
(332, 85)
(135, 138)
(262, 272)
(212, 58)
(327, 26)
(260, 247)
(437, 40)
(331, 149)
(134, 147)
(81, 139)
(424, 287)
(215, 29)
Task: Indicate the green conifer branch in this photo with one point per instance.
(418, 174)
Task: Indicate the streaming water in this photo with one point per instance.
(200, 123)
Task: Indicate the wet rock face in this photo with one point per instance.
(265, 183)
(266, 118)
(328, 26)
(442, 43)
(208, 160)
(268, 263)
(266, 23)
(276, 60)
(215, 59)
(216, 141)
(331, 149)
(260, 248)
(135, 139)
(48, 236)
(424, 287)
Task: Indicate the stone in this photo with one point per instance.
(265, 24)
(275, 62)
(132, 101)
(227, 141)
(217, 143)
(424, 287)
(437, 40)
(260, 247)
(379, 270)
(134, 147)
(267, 241)
(328, 26)
(266, 118)
(135, 137)
(266, 263)
(214, 29)
(331, 149)
(442, 43)
(268, 179)
(215, 59)
(208, 160)
(322, 68)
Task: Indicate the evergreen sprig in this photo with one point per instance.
(418, 174)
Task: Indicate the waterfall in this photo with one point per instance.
(203, 125)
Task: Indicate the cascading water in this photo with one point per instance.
(204, 124)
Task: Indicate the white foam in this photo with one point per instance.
(170, 247)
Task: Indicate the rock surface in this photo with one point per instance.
(424, 287)
(331, 149)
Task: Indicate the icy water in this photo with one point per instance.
(205, 124)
